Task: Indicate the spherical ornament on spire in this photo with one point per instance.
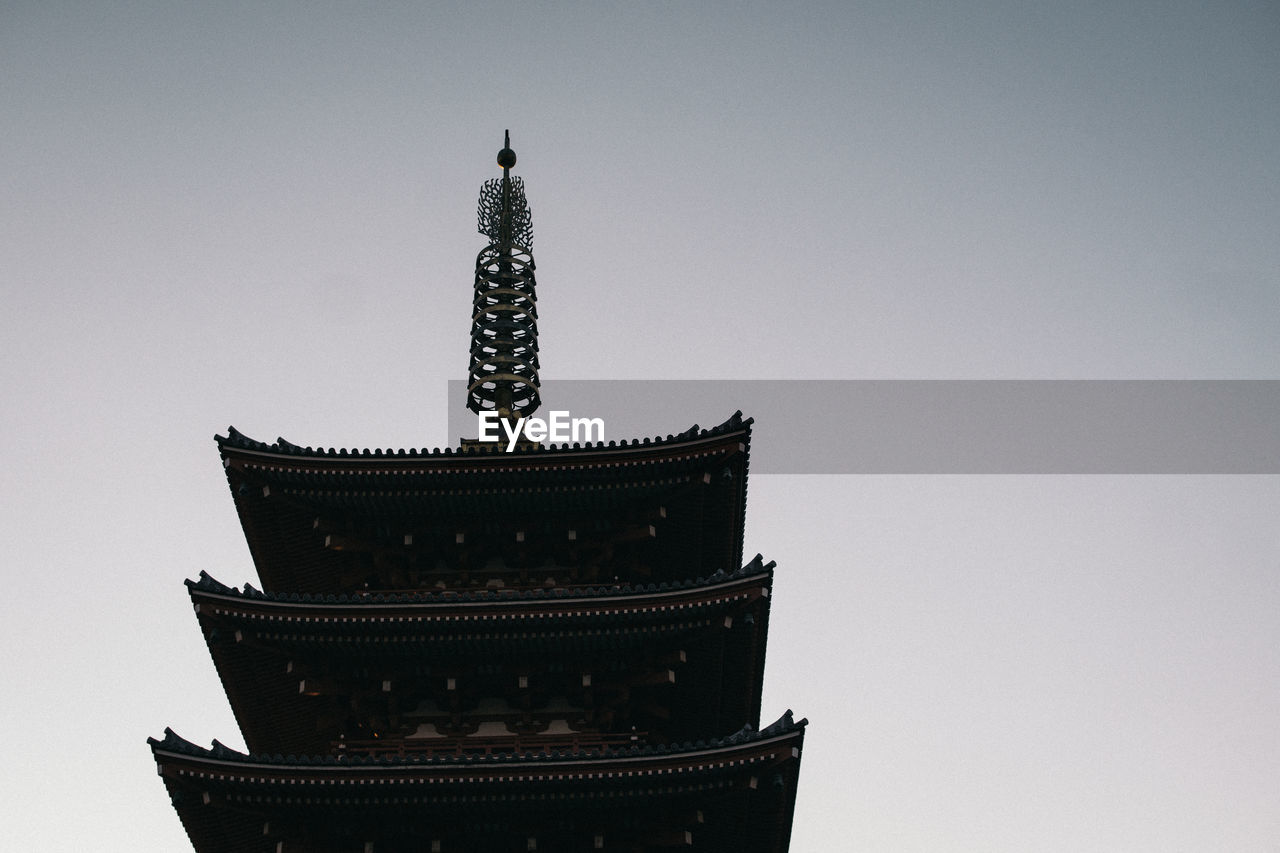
(506, 157)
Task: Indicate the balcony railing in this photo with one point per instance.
(487, 745)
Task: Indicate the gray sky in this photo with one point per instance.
(219, 213)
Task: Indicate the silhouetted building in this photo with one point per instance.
(553, 648)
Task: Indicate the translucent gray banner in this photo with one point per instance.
(946, 426)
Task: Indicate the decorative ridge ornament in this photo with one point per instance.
(503, 213)
(503, 376)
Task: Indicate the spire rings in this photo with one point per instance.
(503, 376)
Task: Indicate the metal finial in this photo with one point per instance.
(506, 157)
(503, 377)
(503, 214)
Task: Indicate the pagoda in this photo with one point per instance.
(555, 648)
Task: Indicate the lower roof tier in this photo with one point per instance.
(331, 522)
(733, 793)
(304, 672)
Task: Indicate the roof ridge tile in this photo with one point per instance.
(238, 440)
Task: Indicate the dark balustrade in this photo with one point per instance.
(482, 745)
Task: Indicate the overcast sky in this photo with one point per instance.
(225, 213)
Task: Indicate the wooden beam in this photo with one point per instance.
(662, 676)
(672, 838)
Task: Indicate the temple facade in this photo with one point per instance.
(555, 648)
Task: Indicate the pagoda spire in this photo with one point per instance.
(503, 375)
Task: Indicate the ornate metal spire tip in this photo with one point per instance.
(503, 376)
(506, 157)
(503, 213)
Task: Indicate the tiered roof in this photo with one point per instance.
(302, 507)
(484, 649)
(703, 640)
(736, 792)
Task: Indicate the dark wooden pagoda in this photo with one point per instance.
(553, 648)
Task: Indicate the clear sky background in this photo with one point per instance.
(263, 214)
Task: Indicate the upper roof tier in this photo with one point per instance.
(333, 521)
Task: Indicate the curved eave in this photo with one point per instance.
(239, 629)
(236, 443)
(555, 479)
(288, 497)
(265, 649)
(744, 786)
(780, 741)
(754, 580)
